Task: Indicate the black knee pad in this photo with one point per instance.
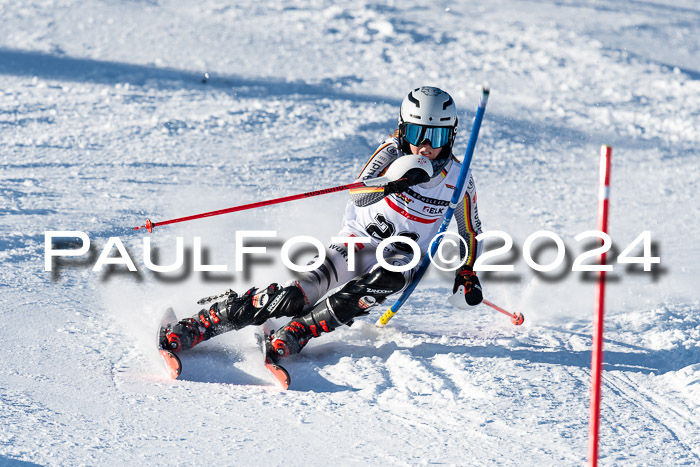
(256, 306)
(357, 296)
(288, 301)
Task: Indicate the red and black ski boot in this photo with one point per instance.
(291, 338)
(354, 299)
(183, 335)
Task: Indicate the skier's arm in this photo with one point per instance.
(402, 172)
(469, 227)
(375, 167)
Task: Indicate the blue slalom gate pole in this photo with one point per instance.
(391, 311)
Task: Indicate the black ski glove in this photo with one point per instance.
(412, 177)
(472, 287)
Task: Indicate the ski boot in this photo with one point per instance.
(184, 334)
(233, 313)
(296, 334)
(354, 299)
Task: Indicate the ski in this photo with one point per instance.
(278, 372)
(171, 362)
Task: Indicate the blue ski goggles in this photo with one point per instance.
(438, 136)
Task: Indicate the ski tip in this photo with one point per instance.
(280, 374)
(172, 363)
(518, 319)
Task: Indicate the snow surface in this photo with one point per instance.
(105, 120)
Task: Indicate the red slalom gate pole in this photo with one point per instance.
(515, 318)
(151, 225)
(597, 348)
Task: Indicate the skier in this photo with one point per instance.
(412, 206)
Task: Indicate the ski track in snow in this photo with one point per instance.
(105, 120)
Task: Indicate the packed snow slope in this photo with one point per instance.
(107, 118)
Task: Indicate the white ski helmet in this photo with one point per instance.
(428, 113)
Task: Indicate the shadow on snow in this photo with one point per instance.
(52, 67)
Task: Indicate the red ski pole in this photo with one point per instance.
(374, 182)
(515, 318)
(396, 172)
(151, 225)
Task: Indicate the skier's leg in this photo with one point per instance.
(333, 272)
(353, 299)
(296, 296)
(257, 306)
(235, 312)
